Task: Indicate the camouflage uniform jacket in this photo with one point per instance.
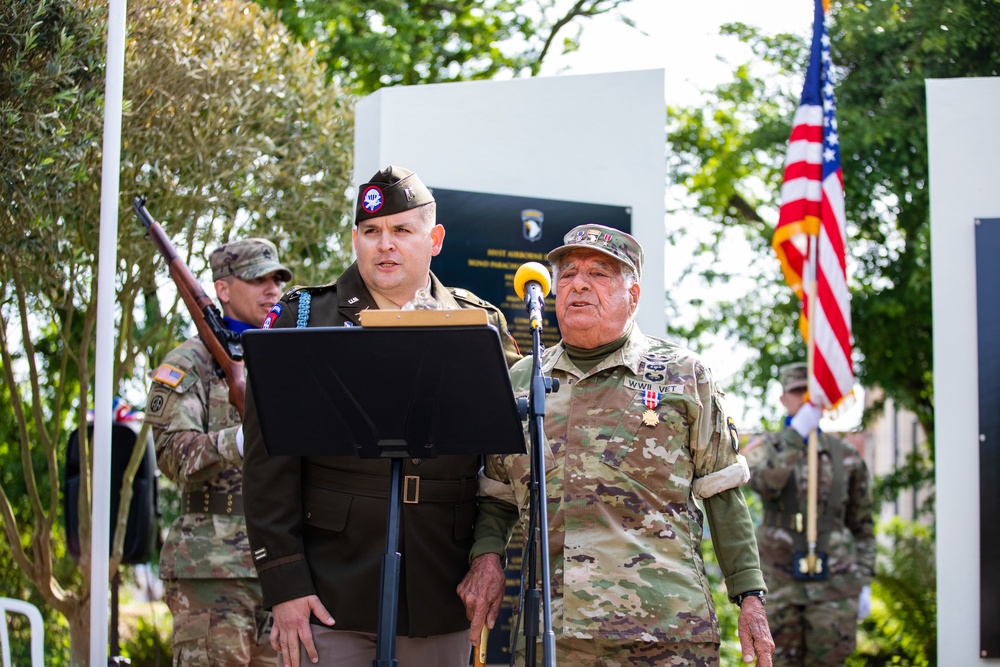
(845, 531)
(318, 523)
(625, 531)
(194, 427)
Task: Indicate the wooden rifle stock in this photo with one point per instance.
(223, 344)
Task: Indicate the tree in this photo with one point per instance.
(229, 127)
(368, 45)
(728, 157)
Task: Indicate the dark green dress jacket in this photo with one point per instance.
(317, 524)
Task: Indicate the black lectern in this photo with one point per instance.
(384, 392)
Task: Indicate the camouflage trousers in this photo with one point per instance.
(821, 634)
(219, 623)
(617, 653)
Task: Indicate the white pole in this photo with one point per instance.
(104, 349)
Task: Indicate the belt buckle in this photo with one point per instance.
(411, 493)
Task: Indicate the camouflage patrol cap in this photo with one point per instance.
(612, 242)
(247, 259)
(794, 376)
(391, 190)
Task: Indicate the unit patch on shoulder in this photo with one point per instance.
(734, 436)
(168, 375)
(272, 315)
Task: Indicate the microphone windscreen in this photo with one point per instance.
(532, 271)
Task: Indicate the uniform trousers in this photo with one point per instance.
(219, 622)
(571, 652)
(340, 648)
(820, 634)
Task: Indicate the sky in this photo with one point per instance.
(683, 38)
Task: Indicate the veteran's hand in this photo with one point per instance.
(755, 635)
(291, 627)
(482, 592)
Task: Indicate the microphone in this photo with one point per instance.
(532, 283)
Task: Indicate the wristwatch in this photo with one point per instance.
(742, 596)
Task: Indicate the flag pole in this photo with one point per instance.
(812, 450)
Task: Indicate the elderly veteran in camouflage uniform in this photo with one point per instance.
(634, 435)
(814, 621)
(318, 524)
(211, 584)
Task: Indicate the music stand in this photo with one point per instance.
(384, 392)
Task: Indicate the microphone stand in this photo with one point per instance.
(538, 521)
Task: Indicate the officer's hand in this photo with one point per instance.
(239, 440)
(755, 635)
(482, 592)
(291, 626)
(864, 603)
(806, 419)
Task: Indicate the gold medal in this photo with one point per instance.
(650, 418)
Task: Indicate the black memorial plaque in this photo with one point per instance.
(988, 309)
(488, 236)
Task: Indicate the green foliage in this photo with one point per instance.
(902, 627)
(148, 646)
(369, 45)
(231, 129)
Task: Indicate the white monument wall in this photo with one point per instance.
(597, 139)
(963, 147)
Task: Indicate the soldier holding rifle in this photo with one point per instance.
(210, 580)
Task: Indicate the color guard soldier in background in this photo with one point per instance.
(813, 620)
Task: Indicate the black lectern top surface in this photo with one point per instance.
(382, 392)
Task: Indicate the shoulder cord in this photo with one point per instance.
(305, 302)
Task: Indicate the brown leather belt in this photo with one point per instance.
(203, 502)
(415, 489)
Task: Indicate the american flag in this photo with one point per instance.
(812, 197)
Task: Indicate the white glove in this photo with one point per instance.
(864, 602)
(806, 419)
(239, 440)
